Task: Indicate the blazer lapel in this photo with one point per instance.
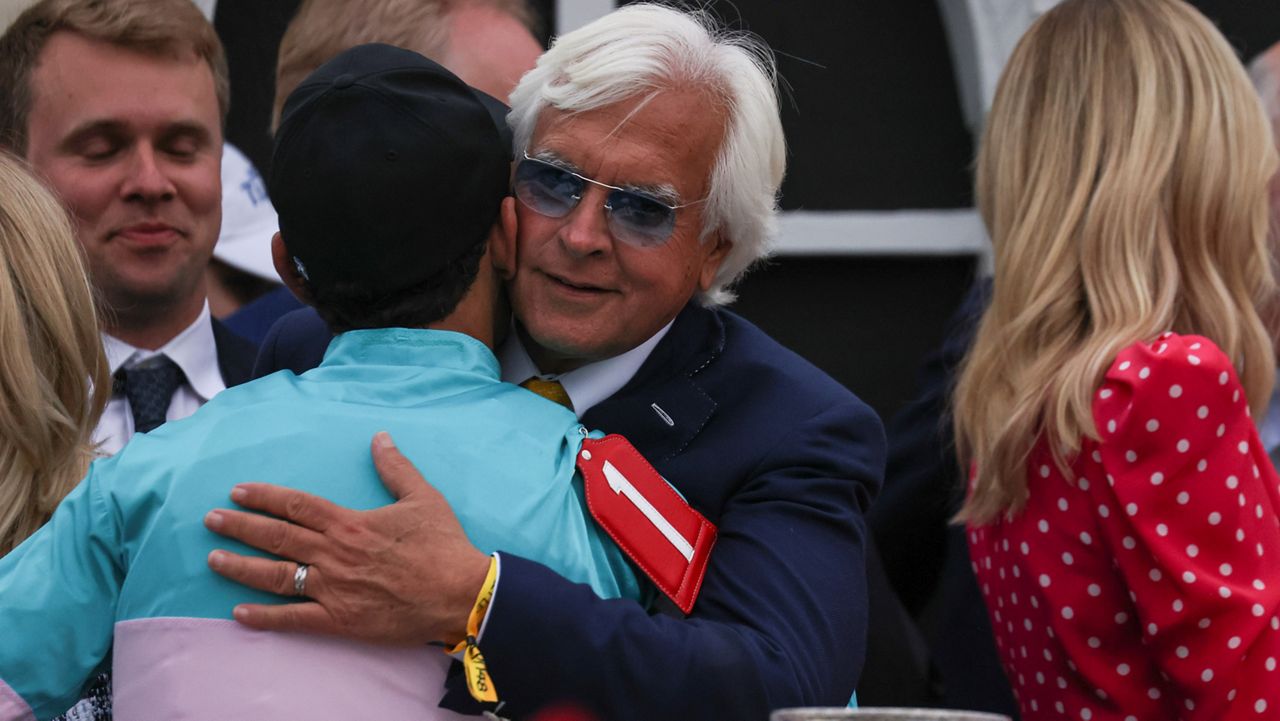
(664, 407)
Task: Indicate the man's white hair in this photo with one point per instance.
(645, 48)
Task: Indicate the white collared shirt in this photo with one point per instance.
(587, 385)
(193, 350)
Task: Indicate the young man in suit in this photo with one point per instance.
(119, 105)
(649, 154)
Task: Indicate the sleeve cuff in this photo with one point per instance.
(497, 579)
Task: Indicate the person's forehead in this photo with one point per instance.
(488, 48)
(79, 78)
(646, 139)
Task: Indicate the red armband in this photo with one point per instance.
(657, 529)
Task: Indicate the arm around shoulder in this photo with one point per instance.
(780, 620)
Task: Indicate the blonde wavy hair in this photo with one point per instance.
(1122, 177)
(51, 358)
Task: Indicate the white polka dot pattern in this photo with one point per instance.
(1165, 608)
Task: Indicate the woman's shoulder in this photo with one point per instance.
(1172, 380)
(1193, 355)
(1168, 365)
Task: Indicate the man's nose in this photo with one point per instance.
(148, 178)
(586, 229)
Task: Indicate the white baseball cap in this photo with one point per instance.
(248, 218)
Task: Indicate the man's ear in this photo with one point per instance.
(719, 248)
(502, 240)
(287, 269)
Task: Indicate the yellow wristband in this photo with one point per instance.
(478, 681)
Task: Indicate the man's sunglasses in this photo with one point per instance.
(634, 217)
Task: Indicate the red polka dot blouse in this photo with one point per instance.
(1148, 587)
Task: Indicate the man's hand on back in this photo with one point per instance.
(403, 574)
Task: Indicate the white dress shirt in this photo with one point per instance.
(587, 385)
(193, 350)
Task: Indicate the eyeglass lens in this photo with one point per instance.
(554, 192)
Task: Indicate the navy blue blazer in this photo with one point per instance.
(784, 460)
(296, 342)
(254, 319)
(235, 354)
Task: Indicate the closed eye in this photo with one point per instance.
(184, 142)
(97, 147)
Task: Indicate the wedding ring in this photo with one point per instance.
(300, 580)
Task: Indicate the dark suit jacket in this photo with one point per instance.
(235, 355)
(925, 556)
(296, 342)
(785, 461)
(254, 319)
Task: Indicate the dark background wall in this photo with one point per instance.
(869, 102)
(250, 31)
(1251, 25)
(867, 321)
(873, 122)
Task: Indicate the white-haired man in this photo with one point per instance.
(649, 154)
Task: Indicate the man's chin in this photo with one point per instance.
(148, 296)
(557, 349)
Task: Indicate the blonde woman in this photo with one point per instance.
(51, 356)
(1122, 513)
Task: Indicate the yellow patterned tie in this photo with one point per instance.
(551, 390)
